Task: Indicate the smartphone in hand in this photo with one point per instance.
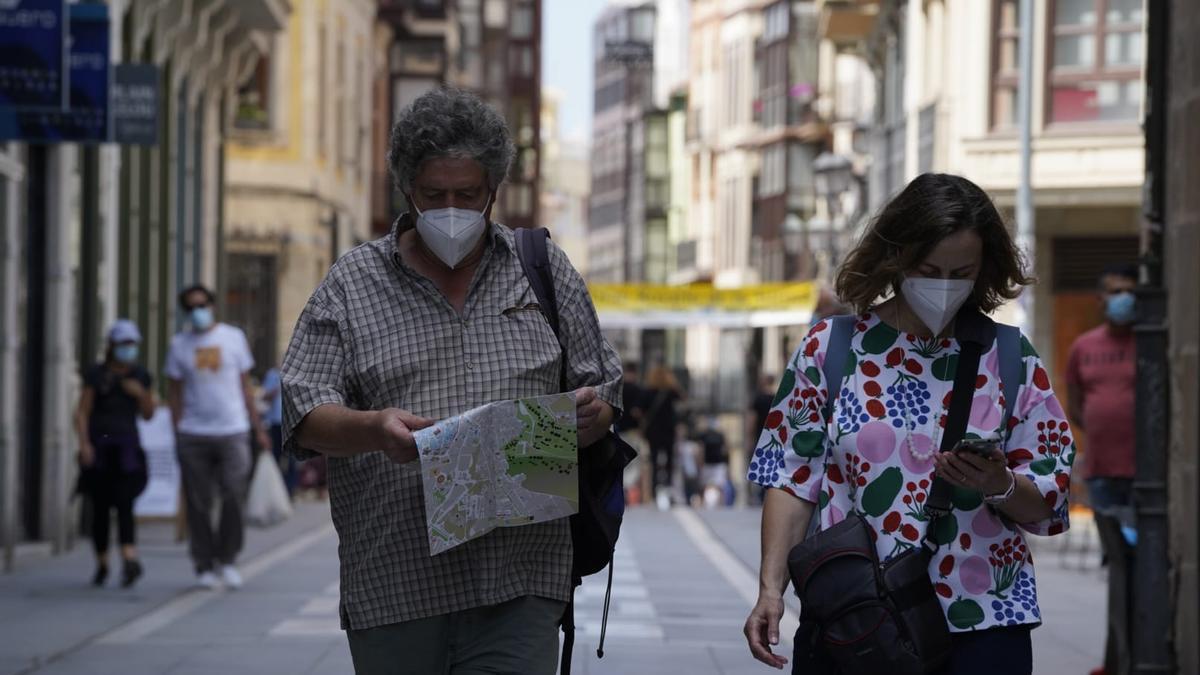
(983, 447)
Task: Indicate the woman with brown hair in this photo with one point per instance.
(937, 251)
(660, 419)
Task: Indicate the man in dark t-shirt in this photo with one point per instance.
(756, 419)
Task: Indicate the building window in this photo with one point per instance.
(1095, 56)
(254, 98)
(521, 27)
(495, 14)
(1005, 65)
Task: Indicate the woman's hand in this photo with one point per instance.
(133, 388)
(986, 475)
(762, 630)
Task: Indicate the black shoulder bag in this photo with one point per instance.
(595, 528)
(860, 616)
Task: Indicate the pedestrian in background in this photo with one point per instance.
(113, 465)
(717, 488)
(938, 247)
(639, 480)
(1101, 385)
(423, 324)
(214, 412)
(756, 419)
(272, 396)
(661, 400)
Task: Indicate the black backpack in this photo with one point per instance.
(594, 530)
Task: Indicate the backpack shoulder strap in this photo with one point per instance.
(1008, 345)
(534, 254)
(836, 352)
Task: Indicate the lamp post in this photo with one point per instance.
(832, 176)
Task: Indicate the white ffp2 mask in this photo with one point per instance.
(451, 233)
(936, 301)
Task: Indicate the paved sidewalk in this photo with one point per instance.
(50, 614)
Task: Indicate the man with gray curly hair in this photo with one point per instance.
(428, 322)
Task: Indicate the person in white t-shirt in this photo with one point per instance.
(213, 409)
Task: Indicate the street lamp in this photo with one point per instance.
(832, 177)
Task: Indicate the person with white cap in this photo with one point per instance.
(113, 464)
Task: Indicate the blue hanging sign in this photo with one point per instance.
(87, 118)
(33, 54)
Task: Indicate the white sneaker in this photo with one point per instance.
(231, 577)
(207, 580)
(663, 499)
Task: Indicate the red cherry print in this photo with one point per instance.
(1063, 481)
(783, 434)
(1051, 499)
(812, 347)
(872, 388)
(920, 497)
(981, 381)
(913, 366)
(908, 500)
(946, 399)
(876, 409)
(862, 481)
(866, 466)
(965, 541)
(818, 328)
(946, 343)
(802, 474)
(870, 368)
(1063, 426)
(943, 590)
(924, 484)
(834, 474)
(1040, 379)
(947, 566)
(814, 418)
(861, 327)
(895, 357)
(909, 532)
(774, 419)
(892, 522)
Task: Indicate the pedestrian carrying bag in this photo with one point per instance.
(595, 528)
(859, 615)
(267, 503)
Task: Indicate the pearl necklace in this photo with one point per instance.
(908, 427)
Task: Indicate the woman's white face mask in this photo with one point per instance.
(936, 301)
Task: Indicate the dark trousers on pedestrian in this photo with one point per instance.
(210, 464)
(518, 637)
(114, 492)
(662, 456)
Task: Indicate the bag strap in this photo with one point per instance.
(534, 254)
(1008, 345)
(974, 331)
(568, 644)
(836, 352)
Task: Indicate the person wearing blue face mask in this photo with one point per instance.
(214, 411)
(113, 465)
(1101, 382)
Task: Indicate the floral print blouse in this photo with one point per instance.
(875, 458)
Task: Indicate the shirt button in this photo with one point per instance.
(470, 365)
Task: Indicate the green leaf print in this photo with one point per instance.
(965, 500)
(1043, 467)
(786, 385)
(945, 367)
(965, 614)
(822, 500)
(1027, 348)
(809, 443)
(880, 493)
(851, 364)
(813, 375)
(946, 531)
(878, 339)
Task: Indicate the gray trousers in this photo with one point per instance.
(208, 464)
(518, 637)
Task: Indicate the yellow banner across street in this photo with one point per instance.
(651, 306)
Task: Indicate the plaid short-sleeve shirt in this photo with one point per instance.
(376, 334)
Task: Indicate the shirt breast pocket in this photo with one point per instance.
(534, 353)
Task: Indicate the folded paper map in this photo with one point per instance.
(505, 464)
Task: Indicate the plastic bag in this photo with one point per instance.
(268, 503)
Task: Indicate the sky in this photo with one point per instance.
(567, 60)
